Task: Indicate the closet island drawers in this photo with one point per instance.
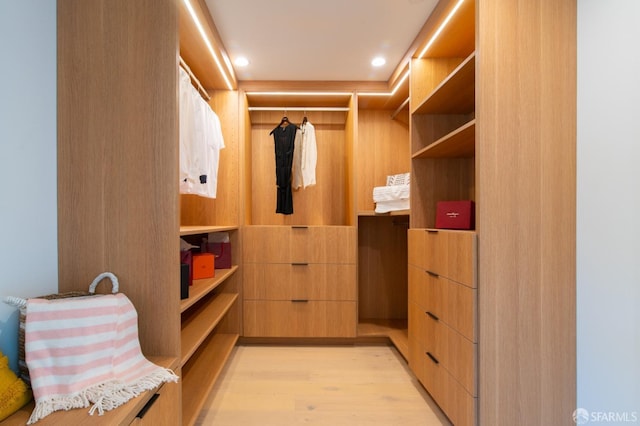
(299, 281)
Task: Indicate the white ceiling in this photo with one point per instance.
(333, 40)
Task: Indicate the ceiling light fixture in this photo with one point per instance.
(203, 34)
(378, 61)
(241, 61)
(440, 28)
(299, 93)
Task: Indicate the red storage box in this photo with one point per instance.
(456, 215)
(203, 266)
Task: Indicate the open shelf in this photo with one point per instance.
(200, 374)
(460, 143)
(200, 324)
(124, 414)
(201, 288)
(395, 330)
(373, 213)
(194, 230)
(455, 94)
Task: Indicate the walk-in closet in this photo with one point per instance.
(483, 318)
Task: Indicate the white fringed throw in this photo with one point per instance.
(85, 350)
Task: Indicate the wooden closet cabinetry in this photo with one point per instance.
(442, 318)
(442, 263)
(299, 281)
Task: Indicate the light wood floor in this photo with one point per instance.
(334, 385)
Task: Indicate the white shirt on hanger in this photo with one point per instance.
(305, 156)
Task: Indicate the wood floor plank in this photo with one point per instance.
(319, 385)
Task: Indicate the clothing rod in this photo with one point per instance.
(299, 108)
(201, 89)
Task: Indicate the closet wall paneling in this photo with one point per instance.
(526, 170)
(118, 163)
(322, 204)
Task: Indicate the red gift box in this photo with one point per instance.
(455, 215)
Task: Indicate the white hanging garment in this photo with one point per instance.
(305, 157)
(200, 142)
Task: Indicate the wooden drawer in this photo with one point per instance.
(452, 303)
(452, 351)
(310, 281)
(299, 244)
(163, 410)
(450, 254)
(455, 401)
(417, 281)
(299, 319)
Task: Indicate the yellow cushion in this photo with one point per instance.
(14, 394)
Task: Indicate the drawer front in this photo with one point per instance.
(299, 319)
(455, 401)
(310, 281)
(417, 281)
(163, 410)
(323, 244)
(461, 258)
(266, 244)
(451, 351)
(436, 252)
(452, 303)
(299, 244)
(415, 247)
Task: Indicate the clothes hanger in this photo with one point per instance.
(283, 123)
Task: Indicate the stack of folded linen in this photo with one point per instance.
(394, 196)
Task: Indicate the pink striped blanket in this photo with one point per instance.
(85, 351)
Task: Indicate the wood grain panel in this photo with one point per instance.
(291, 319)
(526, 124)
(454, 352)
(224, 209)
(426, 76)
(382, 267)
(282, 281)
(382, 149)
(320, 204)
(436, 180)
(118, 155)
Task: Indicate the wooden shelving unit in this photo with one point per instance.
(455, 94)
(200, 375)
(202, 288)
(373, 213)
(394, 330)
(459, 143)
(195, 230)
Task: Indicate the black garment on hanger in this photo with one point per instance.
(284, 138)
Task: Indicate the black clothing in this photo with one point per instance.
(284, 138)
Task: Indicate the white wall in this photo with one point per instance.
(28, 209)
(608, 222)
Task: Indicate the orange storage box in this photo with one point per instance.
(203, 266)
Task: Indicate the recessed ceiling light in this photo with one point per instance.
(378, 62)
(241, 61)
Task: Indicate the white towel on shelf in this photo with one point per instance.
(391, 198)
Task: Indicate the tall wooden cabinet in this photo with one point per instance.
(300, 269)
(117, 171)
(493, 120)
